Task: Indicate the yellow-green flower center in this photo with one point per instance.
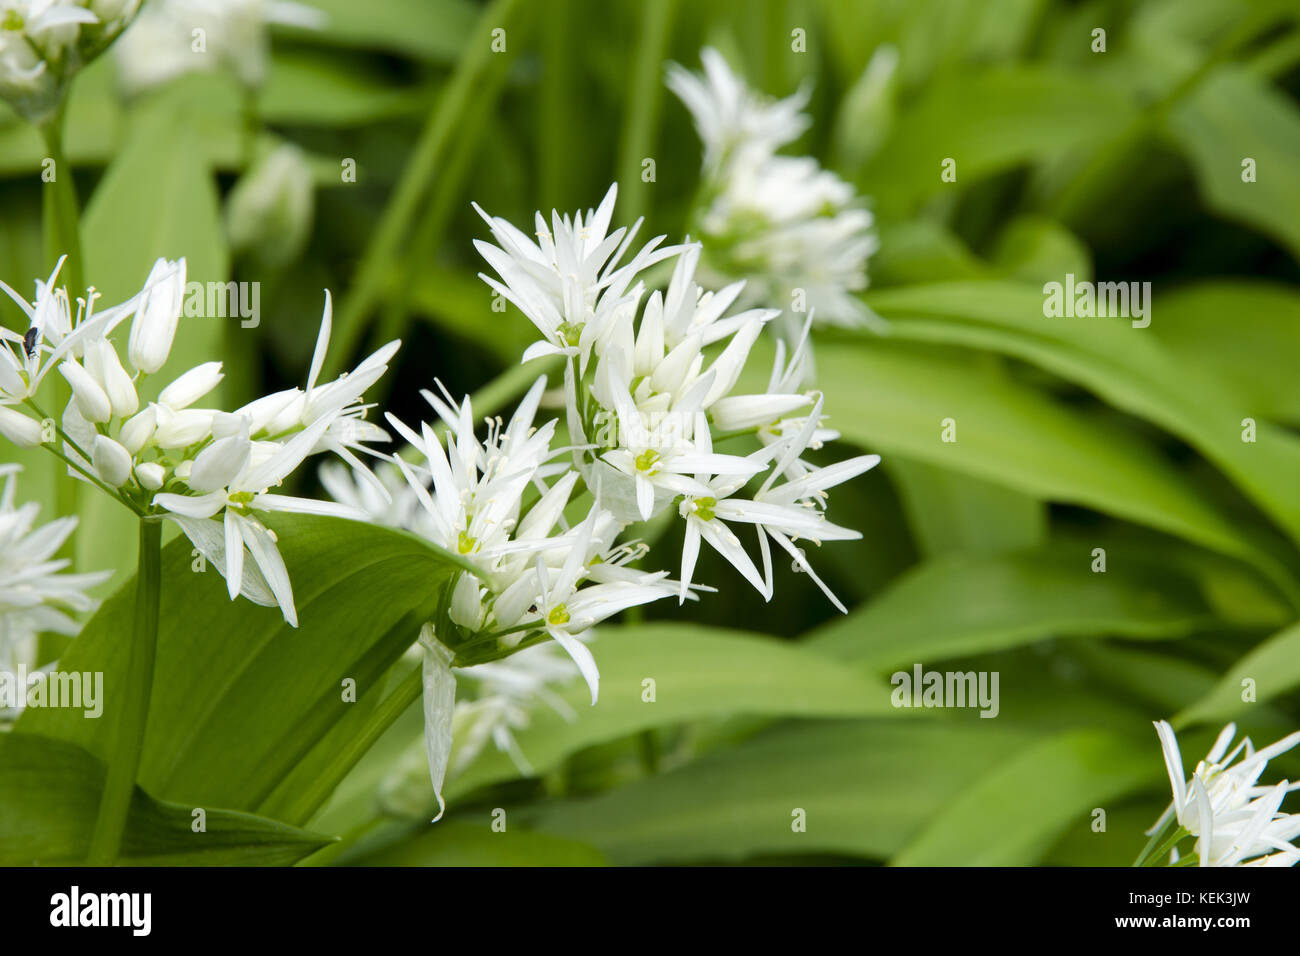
(558, 616)
(704, 508)
(12, 20)
(465, 543)
(570, 332)
(646, 461)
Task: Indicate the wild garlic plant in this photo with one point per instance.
(211, 472)
(1234, 819)
(797, 232)
(650, 399)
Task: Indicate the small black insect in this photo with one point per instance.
(29, 341)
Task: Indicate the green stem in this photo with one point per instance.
(60, 215)
(427, 159)
(61, 231)
(132, 704)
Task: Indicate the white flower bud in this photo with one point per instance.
(18, 428)
(154, 326)
(269, 211)
(288, 417)
(262, 411)
(192, 386)
(138, 429)
(467, 602)
(183, 470)
(183, 428)
(106, 368)
(219, 463)
(225, 424)
(151, 475)
(92, 401)
(111, 461)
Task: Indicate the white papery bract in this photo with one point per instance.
(1236, 820)
(43, 43)
(795, 230)
(174, 37)
(36, 593)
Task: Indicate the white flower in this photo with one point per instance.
(154, 327)
(1236, 821)
(794, 229)
(35, 593)
(161, 45)
(559, 280)
(53, 334)
(18, 428)
(730, 117)
(234, 474)
(43, 43)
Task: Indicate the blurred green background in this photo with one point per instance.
(1072, 434)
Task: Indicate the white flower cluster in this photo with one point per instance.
(35, 591)
(174, 37)
(651, 386)
(1236, 821)
(206, 469)
(43, 43)
(781, 221)
(535, 578)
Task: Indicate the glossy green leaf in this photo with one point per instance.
(50, 793)
(1233, 116)
(697, 673)
(460, 843)
(239, 697)
(987, 122)
(1015, 435)
(1011, 815)
(1122, 365)
(866, 788)
(1273, 667)
(970, 604)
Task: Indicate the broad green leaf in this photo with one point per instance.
(987, 122)
(866, 788)
(239, 697)
(970, 604)
(1233, 116)
(50, 789)
(892, 396)
(459, 843)
(922, 251)
(1011, 815)
(949, 512)
(313, 89)
(1122, 365)
(1036, 249)
(1256, 353)
(434, 30)
(697, 672)
(1273, 666)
